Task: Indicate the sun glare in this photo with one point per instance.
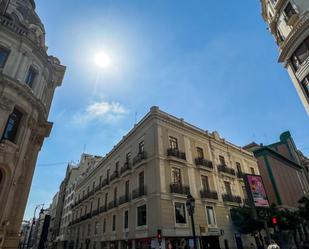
(102, 60)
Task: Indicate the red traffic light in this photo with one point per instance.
(274, 220)
(159, 234)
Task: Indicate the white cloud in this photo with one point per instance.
(101, 111)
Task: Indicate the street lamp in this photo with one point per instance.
(33, 221)
(190, 203)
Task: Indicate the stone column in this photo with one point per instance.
(20, 74)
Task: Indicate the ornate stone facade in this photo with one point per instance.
(288, 22)
(28, 79)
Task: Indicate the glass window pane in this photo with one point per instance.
(211, 216)
(141, 216)
(4, 54)
(180, 213)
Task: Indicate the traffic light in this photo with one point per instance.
(274, 220)
(159, 235)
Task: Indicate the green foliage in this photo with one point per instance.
(244, 220)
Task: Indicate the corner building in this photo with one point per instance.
(288, 22)
(142, 185)
(28, 79)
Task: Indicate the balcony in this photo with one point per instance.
(104, 183)
(114, 176)
(95, 212)
(231, 198)
(207, 194)
(141, 191)
(124, 199)
(13, 26)
(103, 209)
(176, 153)
(112, 204)
(97, 188)
(125, 167)
(139, 157)
(240, 174)
(226, 169)
(180, 189)
(204, 163)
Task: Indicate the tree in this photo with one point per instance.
(244, 220)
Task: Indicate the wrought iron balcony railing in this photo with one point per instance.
(180, 189)
(176, 153)
(207, 194)
(204, 162)
(141, 191)
(226, 169)
(139, 157)
(231, 198)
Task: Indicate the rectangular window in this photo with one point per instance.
(141, 216)
(222, 160)
(32, 73)
(98, 205)
(141, 147)
(205, 183)
(180, 213)
(12, 126)
(141, 180)
(128, 157)
(115, 197)
(305, 84)
(127, 189)
(107, 175)
(211, 216)
(101, 177)
(126, 219)
(228, 188)
(252, 170)
(93, 185)
(117, 166)
(88, 189)
(89, 229)
(238, 166)
(106, 199)
(96, 225)
(289, 10)
(114, 223)
(173, 143)
(4, 54)
(176, 176)
(200, 153)
(104, 225)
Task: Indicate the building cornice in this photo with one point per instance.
(266, 150)
(156, 114)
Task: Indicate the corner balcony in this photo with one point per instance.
(141, 156)
(227, 170)
(124, 199)
(207, 194)
(139, 192)
(125, 167)
(231, 198)
(180, 189)
(176, 153)
(204, 163)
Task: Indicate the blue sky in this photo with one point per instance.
(213, 63)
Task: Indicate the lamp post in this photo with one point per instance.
(33, 222)
(190, 203)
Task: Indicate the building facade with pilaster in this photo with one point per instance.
(288, 21)
(28, 79)
(141, 186)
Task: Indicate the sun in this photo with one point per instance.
(102, 60)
